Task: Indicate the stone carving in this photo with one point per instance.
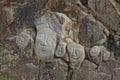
(50, 18)
(61, 49)
(99, 54)
(23, 39)
(95, 55)
(95, 51)
(45, 42)
(76, 54)
(58, 22)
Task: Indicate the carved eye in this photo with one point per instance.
(76, 53)
(41, 37)
(95, 51)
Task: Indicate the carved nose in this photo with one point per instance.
(43, 43)
(74, 55)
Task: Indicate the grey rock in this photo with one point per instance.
(61, 49)
(116, 75)
(53, 71)
(58, 22)
(53, 21)
(24, 72)
(93, 75)
(95, 55)
(105, 53)
(88, 65)
(106, 13)
(76, 55)
(98, 54)
(45, 42)
(84, 71)
(95, 51)
(108, 67)
(22, 39)
(61, 70)
(90, 32)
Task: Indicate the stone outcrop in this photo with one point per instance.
(60, 39)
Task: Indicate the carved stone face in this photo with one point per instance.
(76, 54)
(61, 49)
(94, 52)
(45, 43)
(22, 39)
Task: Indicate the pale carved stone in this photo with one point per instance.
(61, 49)
(95, 51)
(99, 54)
(95, 55)
(45, 43)
(76, 55)
(58, 22)
(23, 39)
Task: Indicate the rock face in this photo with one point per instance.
(45, 42)
(60, 39)
(61, 49)
(106, 13)
(76, 54)
(94, 34)
(23, 39)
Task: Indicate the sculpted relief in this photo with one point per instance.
(61, 49)
(23, 39)
(76, 54)
(45, 43)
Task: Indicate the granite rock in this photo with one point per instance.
(90, 32)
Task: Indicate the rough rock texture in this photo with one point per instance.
(60, 39)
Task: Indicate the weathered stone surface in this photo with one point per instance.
(90, 32)
(57, 27)
(99, 54)
(95, 51)
(76, 55)
(6, 18)
(58, 22)
(66, 24)
(105, 53)
(99, 76)
(45, 42)
(95, 55)
(61, 70)
(61, 49)
(55, 71)
(116, 46)
(116, 74)
(23, 39)
(27, 71)
(84, 71)
(105, 12)
(108, 67)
